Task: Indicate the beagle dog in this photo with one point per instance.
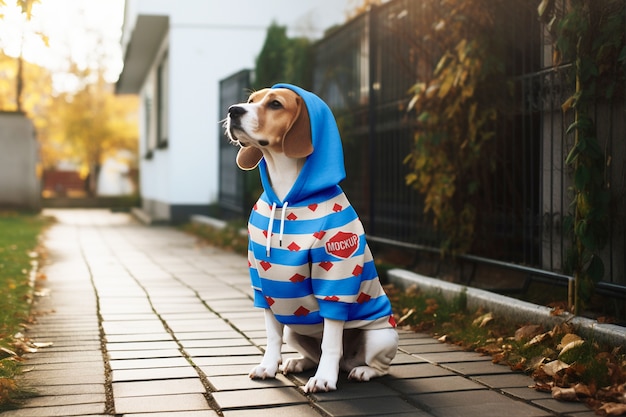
(310, 266)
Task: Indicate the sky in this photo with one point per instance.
(87, 32)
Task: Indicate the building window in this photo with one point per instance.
(162, 102)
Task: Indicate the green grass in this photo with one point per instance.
(19, 234)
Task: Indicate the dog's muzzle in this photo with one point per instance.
(233, 121)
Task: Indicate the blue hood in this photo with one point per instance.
(324, 169)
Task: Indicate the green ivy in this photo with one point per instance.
(590, 35)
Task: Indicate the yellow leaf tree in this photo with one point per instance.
(89, 125)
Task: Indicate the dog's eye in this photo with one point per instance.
(275, 104)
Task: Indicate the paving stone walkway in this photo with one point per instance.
(147, 322)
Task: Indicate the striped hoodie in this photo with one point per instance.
(307, 254)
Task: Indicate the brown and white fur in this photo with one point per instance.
(274, 124)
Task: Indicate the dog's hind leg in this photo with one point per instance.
(272, 357)
(308, 347)
(379, 349)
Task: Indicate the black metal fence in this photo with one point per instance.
(364, 70)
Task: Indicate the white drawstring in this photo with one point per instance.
(282, 224)
(270, 228)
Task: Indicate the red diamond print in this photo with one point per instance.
(319, 235)
(265, 265)
(301, 312)
(297, 278)
(326, 265)
(249, 263)
(292, 216)
(313, 207)
(255, 208)
(363, 298)
(265, 233)
(392, 321)
(293, 247)
(269, 300)
(269, 206)
(331, 298)
(337, 207)
(357, 270)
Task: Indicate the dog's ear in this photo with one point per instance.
(297, 142)
(248, 157)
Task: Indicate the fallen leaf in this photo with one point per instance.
(567, 339)
(564, 394)
(613, 409)
(406, 316)
(483, 320)
(538, 339)
(4, 352)
(570, 346)
(552, 368)
(528, 332)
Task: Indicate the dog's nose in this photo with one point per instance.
(236, 111)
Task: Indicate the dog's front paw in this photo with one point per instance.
(297, 365)
(263, 371)
(364, 373)
(320, 384)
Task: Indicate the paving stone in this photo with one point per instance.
(153, 373)
(62, 410)
(417, 370)
(434, 384)
(198, 413)
(404, 358)
(228, 360)
(379, 406)
(227, 369)
(158, 387)
(349, 390)
(452, 356)
(61, 400)
(141, 346)
(242, 381)
(480, 368)
(150, 363)
(478, 403)
(258, 397)
(209, 343)
(223, 351)
(284, 411)
(508, 380)
(433, 347)
(561, 406)
(161, 403)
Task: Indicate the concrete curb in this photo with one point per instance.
(515, 310)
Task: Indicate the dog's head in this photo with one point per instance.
(273, 120)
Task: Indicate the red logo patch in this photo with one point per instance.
(342, 245)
